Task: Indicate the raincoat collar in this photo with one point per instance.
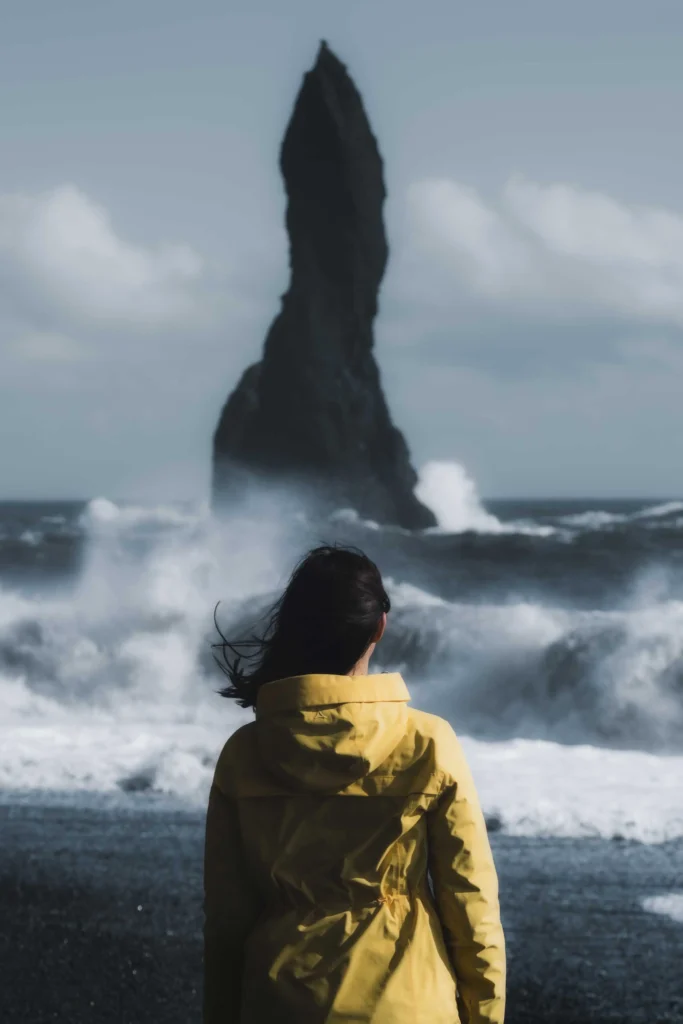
(317, 690)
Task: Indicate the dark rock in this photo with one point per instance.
(312, 413)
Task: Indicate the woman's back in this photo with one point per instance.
(348, 871)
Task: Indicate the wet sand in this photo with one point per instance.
(101, 922)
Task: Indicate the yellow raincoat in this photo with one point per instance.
(348, 873)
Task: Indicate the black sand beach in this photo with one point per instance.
(101, 922)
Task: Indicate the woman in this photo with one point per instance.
(348, 874)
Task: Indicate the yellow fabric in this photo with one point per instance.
(348, 874)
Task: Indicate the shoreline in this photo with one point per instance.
(102, 920)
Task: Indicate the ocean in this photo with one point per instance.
(549, 633)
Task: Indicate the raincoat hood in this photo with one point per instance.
(321, 733)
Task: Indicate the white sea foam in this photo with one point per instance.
(102, 514)
(109, 689)
(599, 519)
(667, 508)
(538, 788)
(447, 489)
(32, 538)
(669, 904)
(522, 668)
(596, 519)
(532, 787)
(451, 494)
(349, 515)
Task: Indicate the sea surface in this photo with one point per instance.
(550, 633)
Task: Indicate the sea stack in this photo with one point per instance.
(311, 415)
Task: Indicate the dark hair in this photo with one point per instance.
(323, 623)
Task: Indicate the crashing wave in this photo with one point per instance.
(596, 519)
(667, 508)
(448, 490)
(109, 687)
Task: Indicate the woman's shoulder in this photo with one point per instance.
(439, 736)
(237, 756)
(430, 725)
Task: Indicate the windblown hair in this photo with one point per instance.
(323, 623)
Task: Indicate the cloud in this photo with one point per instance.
(115, 355)
(59, 251)
(47, 347)
(554, 248)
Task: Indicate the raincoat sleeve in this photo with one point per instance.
(229, 911)
(466, 890)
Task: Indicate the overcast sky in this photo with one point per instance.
(531, 320)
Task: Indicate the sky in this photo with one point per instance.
(531, 319)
